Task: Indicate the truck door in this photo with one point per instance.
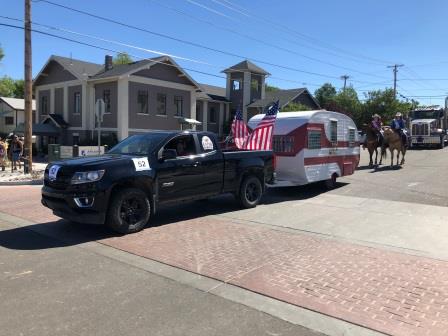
(179, 178)
(212, 163)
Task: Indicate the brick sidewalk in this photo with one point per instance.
(391, 292)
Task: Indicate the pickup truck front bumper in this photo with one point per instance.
(83, 207)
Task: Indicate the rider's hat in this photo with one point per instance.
(376, 116)
(398, 114)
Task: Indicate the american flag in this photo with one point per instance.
(261, 137)
(239, 129)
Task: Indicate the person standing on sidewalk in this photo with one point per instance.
(3, 153)
(16, 152)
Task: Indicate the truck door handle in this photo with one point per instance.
(196, 164)
(168, 184)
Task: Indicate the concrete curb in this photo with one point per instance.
(21, 183)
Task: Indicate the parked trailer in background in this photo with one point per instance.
(312, 146)
(428, 126)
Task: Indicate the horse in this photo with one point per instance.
(372, 143)
(393, 140)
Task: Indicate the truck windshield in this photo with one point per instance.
(425, 114)
(138, 144)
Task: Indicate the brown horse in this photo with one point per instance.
(372, 143)
(394, 142)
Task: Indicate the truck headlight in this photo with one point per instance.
(88, 176)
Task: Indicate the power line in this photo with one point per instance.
(311, 39)
(187, 42)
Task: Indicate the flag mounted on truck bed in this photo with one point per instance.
(261, 137)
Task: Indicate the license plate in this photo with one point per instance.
(53, 172)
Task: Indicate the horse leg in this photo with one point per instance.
(391, 157)
(376, 156)
(371, 157)
(398, 156)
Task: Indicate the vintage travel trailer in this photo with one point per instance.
(312, 146)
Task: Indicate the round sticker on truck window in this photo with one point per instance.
(207, 143)
(141, 164)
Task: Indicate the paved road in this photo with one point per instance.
(372, 256)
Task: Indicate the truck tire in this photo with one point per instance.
(251, 192)
(129, 211)
(330, 184)
(442, 142)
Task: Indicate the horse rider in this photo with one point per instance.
(376, 125)
(400, 128)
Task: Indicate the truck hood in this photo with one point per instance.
(422, 121)
(90, 161)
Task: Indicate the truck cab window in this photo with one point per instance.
(183, 145)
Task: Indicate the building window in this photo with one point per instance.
(351, 137)
(198, 112)
(142, 102)
(212, 115)
(254, 84)
(236, 85)
(333, 131)
(161, 104)
(77, 103)
(44, 105)
(283, 144)
(178, 106)
(9, 120)
(106, 98)
(314, 141)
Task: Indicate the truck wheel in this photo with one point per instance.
(442, 143)
(250, 193)
(129, 211)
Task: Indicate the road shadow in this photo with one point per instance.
(63, 233)
(52, 235)
(386, 168)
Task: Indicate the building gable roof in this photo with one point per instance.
(283, 96)
(17, 103)
(212, 92)
(247, 66)
(80, 69)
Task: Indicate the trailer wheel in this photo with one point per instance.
(250, 193)
(331, 182)
(129, 211)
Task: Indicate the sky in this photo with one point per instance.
(300, 43)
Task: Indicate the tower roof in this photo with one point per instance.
(247, 66)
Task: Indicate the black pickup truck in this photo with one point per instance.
(124, 187)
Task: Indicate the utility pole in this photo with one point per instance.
(28, 150)
(395, 70)
(344, 78)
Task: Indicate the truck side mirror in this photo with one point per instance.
(168, 154)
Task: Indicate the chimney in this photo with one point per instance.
(108, 62)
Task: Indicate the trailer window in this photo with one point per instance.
(283, 144)
(314, 139)
(333, 131)
(351, 137)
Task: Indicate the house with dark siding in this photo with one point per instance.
(146, 95)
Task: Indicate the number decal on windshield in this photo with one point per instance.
(141, 164)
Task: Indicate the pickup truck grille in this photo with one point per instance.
(62, 181)
(420, 129)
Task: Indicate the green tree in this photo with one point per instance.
(271, 88)
(346, 102)
(19, 88)
(292, 107)
(2, 53)
(7, 87)
(122, 58)
(325, 95)
(384, 103)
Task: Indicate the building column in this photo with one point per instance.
(84, 104)
(123, 109)
(263, 87)
(38, 111)
(65, 103)
(193, 106)
(204, 115)
(221, 118)
(91, 109)
(246, 94)
(52, 98)
(228, 86)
